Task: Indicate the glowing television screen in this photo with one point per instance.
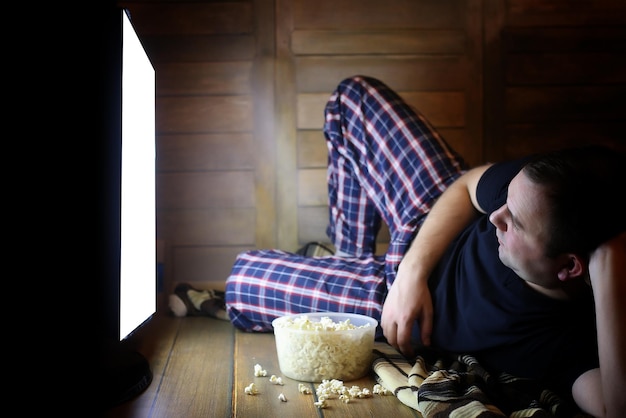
(138, 213)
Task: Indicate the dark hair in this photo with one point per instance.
(585, 188)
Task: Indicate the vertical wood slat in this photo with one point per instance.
(474, 109)
(286, 134)
(494, 16)
(264, 146)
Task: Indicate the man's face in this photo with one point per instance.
(521, 231)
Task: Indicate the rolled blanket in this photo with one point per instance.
(441, 385)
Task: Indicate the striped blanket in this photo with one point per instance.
(442, 386)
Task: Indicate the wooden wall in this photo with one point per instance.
(241, 88)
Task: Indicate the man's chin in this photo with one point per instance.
(503, 258)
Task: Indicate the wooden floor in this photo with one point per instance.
(201, 367)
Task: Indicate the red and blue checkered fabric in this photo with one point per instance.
(386, 164)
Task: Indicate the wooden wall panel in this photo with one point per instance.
(388, 42)
(313, 221)
(204, 78)
(204, 114)
(529, 138)
(558, 68)
(375, 14)
(312, 189)
(312, 150)
(215, 142)
(191, 17)
(553, 13)
(591, 103)
(242, 85)
(211, 226)
(442, 109)
(563, 74)
(225, 189)
(200, 48)
(201, 152)
(421, 49)
(402, 73)
(204, 267)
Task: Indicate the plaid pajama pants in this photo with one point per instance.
(385, 164)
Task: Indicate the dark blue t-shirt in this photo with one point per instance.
(482, 307)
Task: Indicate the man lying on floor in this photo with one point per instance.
(519, 264)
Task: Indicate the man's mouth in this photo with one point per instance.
(499, 240)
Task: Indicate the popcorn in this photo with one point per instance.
(302, 388)
(276, 380)
(321, 404)
(258, 371)
(323, 350)
(324, 324)
(378, 389)
(251, 389)
(326, 390)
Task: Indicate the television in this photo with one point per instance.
(138, 202)
(128, 283)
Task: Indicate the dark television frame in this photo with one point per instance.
(123, 372)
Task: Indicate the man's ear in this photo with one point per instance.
(574, 266)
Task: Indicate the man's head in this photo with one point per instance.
(559, 208)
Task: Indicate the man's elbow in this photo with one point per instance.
(591, 399)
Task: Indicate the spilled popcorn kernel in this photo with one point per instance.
(251, 389)
(282, 397)
(378, 389)
(276, 380)
(302, 388)
(259, 371)
(321, 404)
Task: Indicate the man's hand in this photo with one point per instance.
(407, 301)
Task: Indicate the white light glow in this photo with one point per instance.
(138, 223)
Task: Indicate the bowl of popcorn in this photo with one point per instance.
(320, 346)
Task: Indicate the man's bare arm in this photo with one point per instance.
(600, 392)
(409, 298)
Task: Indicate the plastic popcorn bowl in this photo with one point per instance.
(318, 346)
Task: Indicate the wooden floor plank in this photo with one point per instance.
(251, 349)
(201, 367)
(197, 378)
(154, 340)
(256, 348)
